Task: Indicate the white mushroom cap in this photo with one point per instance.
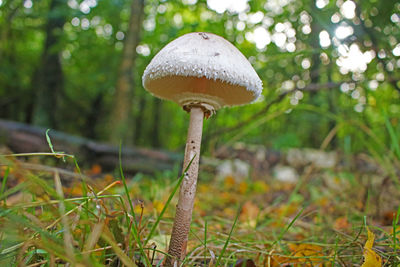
(202, 68)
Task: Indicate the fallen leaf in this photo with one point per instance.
(158, 205)
(228, 198)
(108, 178)
(249, 213)
(371, 259)
(245, 263)
(286, 210)
(323, 202)
(341, 223)
(279, 260)
(229, 212)
(95, 169)
(311, 253)
(229, 181)
(388, 217)
(243, 187)
(203, 188)
(160, 242)
(19, 198)
(260, 187)
(138, 207)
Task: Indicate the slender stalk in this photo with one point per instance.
(183, 216)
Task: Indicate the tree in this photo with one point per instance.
(120, 116)
(95, 57)
(48, 80)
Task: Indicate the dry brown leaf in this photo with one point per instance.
(95, 169)
(341, 223)
(249, 213)
(245, 263)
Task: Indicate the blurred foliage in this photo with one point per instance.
(338, 59)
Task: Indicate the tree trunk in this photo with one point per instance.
(24, 138)
(137, 132)
(121, 108)
(314, 137)
(93, 116)
(48, 80)
(10, 102)
(5, 30)
(155, 130)
(332, 100)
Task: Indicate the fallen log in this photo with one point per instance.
(24, 138)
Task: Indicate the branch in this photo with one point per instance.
(309, 88)
(374, 40)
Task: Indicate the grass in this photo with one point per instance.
(48, 220)
(107, 225)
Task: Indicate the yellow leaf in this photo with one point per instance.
(138, 208)
(160, 242)
(277, 260)
(229, 181)
(307, 253)
(371, 259)
(260, 187)
(108, 178)
(158, 205)
(243, 188)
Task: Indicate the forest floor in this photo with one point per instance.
(327, 217)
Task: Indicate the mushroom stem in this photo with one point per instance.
(183, 216)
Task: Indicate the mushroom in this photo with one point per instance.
(202, 72)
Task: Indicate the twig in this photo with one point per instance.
(58, 155)
(39, 167)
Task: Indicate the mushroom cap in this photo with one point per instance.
(202, 68)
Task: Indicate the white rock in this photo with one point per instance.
(285, 174)
(236, 168)
(320, 159)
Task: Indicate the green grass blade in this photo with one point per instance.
(44, 185)
(84, 193)
(228, 239)
(167, 203)
(335, 251)
(3, 184)
(49, 141)
(13, 190)
(21, 220)
(51, 145)
(107, 236)
(124, 183)
(395, 222)
(393, 136)
(205, 243)
(135, 227)
(284, 231)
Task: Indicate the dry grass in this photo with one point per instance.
(320, 221)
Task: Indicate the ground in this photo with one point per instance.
(321, 219)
